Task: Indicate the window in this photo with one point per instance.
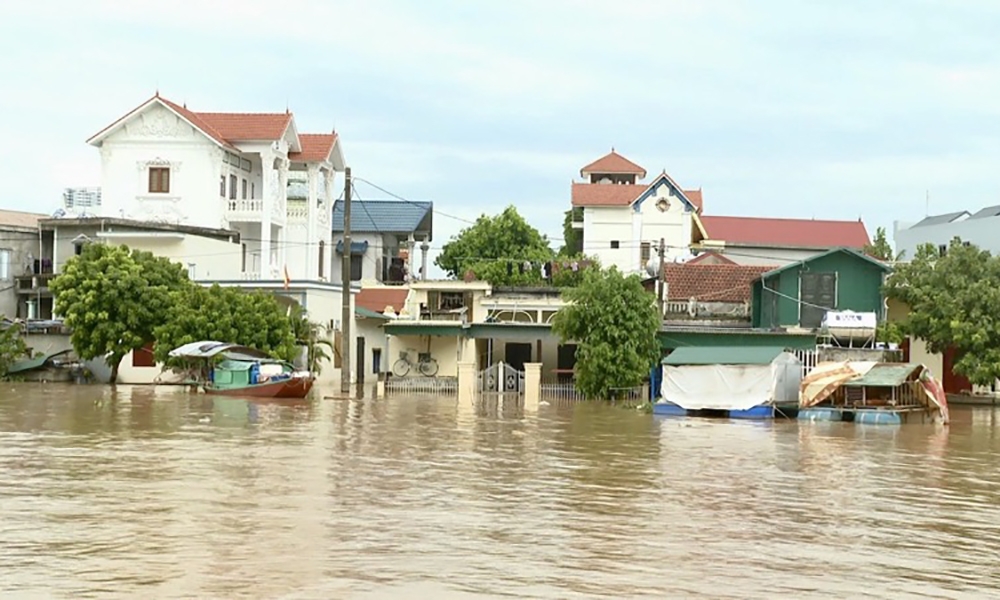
(244, 189)
(615, 244)
(452, 300)
(143, 357)
(159, 180)
(222, 186)
(192, 271)
(78, 249)
(232, 187)
(356, 267)
(244, 251)
(645, 248)
(943, 249)
(376, 360)
(4, 265)
(322, 257)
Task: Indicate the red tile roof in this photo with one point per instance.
(711, 258)
(606, 194)
(695, 197)
(196, 120)
(376, 299)
(316, 147)
(243, 127)
(805, 233)
(613, 163)
(711, 282)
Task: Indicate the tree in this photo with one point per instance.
(953, 301)
(614, 321)
(254, 319)
(879, 246)
(494, 248)
(113, 299)
(12, 347)
(572, 237)
(310, 334)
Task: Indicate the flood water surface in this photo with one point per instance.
(160, 494)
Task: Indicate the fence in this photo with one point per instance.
(438, 386)
(809, 358)
(560, 392)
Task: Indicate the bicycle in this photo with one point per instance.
(426, 366)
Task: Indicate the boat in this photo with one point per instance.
(234, 370)
(873, 393)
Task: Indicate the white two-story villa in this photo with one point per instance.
(624, 219)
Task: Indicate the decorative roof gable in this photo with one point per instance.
(664, 180)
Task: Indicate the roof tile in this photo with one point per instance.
(376, 299)
(316, 147)
(236, 127)
(806, 233)
(613, 163)
(711, 282)
(382, 216)
(606, 194)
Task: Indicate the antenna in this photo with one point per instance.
(927, 203)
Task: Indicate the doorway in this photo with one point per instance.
(516, 355)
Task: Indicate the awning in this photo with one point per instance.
(356, 247)
(886, 375)
(723, 355)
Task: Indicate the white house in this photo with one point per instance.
(623, 219)
(164, 163)
(978, 228)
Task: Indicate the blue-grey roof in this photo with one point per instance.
(988, 212)
(385, 216)
(941, 219)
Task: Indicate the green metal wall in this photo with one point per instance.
(859, 288)
(670, 340)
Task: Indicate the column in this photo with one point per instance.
(326, 222)
(282, 206)
(312, 244)
(532, 386)
(424, 247)
(466, 382)
(269, 183)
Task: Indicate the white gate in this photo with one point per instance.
(500, 378)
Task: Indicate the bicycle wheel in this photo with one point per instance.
(428, 368)
(401, 367)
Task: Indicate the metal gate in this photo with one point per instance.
(500, 378)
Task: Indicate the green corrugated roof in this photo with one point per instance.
(885, 375)
(369, 314)
(723, 355)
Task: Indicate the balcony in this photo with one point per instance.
(252, 210)
(33, 284)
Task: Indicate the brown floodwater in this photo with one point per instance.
(159, 494)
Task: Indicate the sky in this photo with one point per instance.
(839, 109)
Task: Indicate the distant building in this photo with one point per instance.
(769, 241)
(385, 236)
(979, 228)
(624, 219)
(19, 262)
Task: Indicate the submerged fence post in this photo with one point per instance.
(532, 386)
(466, 382)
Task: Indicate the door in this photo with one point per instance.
(376, 360)
(952, 382)
(565, 362)
(818, 293)
(516, 355)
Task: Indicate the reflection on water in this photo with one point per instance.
(143, 493)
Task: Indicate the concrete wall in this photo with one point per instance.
(981, 232)
(375, 339)
(18, 248)
(446, 350)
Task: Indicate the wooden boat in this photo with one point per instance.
(241, 371)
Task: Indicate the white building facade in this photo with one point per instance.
(623, 219)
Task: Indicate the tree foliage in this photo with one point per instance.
(879, 246)
(572, 237)
(12, 348)
(494, 248)
(254, 319)
(953, 300)
(114, 298)
(614, 322)
(311, 335)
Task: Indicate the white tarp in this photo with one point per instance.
(720, 387)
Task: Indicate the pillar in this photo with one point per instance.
(312, 243)
(281, 201)
(269, 183)
(466, 382)
(424, 247)
(532, 386)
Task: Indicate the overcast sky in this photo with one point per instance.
(838, 109)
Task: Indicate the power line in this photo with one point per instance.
(401, 198)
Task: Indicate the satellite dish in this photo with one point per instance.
(652, 266)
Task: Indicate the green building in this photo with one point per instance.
(800, 293)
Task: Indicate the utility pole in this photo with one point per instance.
(345, 289)
(661, 280)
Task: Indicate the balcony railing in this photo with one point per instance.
(33, 284)
(252, 210)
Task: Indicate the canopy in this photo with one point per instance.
(827, 377)
(208, 349)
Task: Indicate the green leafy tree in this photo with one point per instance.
(494, 247)
(953, 300)
(879, 246)
(311, 335)
(12, 348)
(614, 321)
(254, 319)
(572, 237)
(113, 298)
(567, 278)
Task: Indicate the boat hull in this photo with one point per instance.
(295, 387)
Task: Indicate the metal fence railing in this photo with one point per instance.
(440, 386)
(560, 392)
